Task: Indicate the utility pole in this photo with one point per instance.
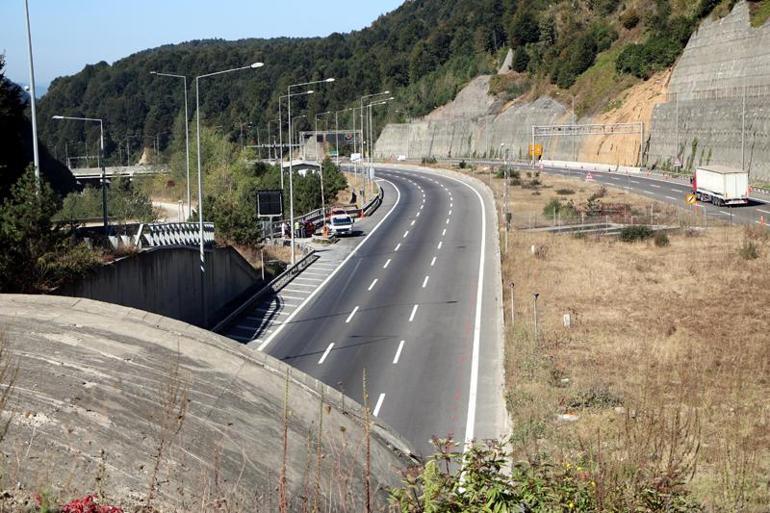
(535, 296)
(743, 128)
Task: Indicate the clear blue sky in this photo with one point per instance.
(68, 34)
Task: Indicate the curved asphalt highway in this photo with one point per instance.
(417, 308)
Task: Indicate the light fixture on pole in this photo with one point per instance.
(186, 134)
(101, 159)
(320, 166)
(289, 94)
(200, 175)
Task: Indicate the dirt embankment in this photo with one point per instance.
(634, 105)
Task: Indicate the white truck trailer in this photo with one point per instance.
(721, 185)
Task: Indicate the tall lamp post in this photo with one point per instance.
(320, 166)
(383, 93)
(291, 167)
(101, 158)
(280, 125)
(186, 133)
(200, 173)
(371, 132)
(33, 107)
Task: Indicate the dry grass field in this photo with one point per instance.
(666, 368)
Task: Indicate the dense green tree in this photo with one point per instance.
(36, 254)
(520, 59)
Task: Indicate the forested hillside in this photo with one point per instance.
(424, 51)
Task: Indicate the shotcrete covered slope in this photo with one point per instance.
(92, 378)
(724, 59)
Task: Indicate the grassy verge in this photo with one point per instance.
(665, 366)
(760, 12)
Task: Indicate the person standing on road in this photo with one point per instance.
(297, 232)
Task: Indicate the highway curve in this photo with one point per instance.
(417, 308)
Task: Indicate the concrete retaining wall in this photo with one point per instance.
(166, 281)
(724, 60)
(479, 137)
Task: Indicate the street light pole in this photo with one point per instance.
(186, 135)
(101, 164)
(291, 166)
(200, 177)
(32, 100)
(362, 118)
(280, 125)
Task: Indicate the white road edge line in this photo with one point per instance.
(296, 312)
(373, 284)
(398, 352)
(352, 314)
(326, 353)
(377, 406)
(475, 357)
(414, 311)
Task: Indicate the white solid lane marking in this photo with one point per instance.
(425, 282)
(326, 353)
(373, 284)
(398, 246)
(414, 311)
(377, 406)
(398, 352)
(350, 317)
(440, 244)
(725, 213)
(267, 342)
(763, 211)
(292, 297)
(386, 264)
(433, 262)
(406, 234)
(443, 233)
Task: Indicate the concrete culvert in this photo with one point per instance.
(115, 400)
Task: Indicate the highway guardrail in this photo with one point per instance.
(278, 283)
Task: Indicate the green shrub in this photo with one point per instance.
(630, 19)
(520, 60)
(565, 192)
(662, 240)
(557, 208)
(429, 160)
(635, 233)
(463, 164)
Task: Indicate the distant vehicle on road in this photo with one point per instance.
(401, 158)
(721, 185)
(340, 225)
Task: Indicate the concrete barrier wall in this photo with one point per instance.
(167, 281)
(724, 61)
